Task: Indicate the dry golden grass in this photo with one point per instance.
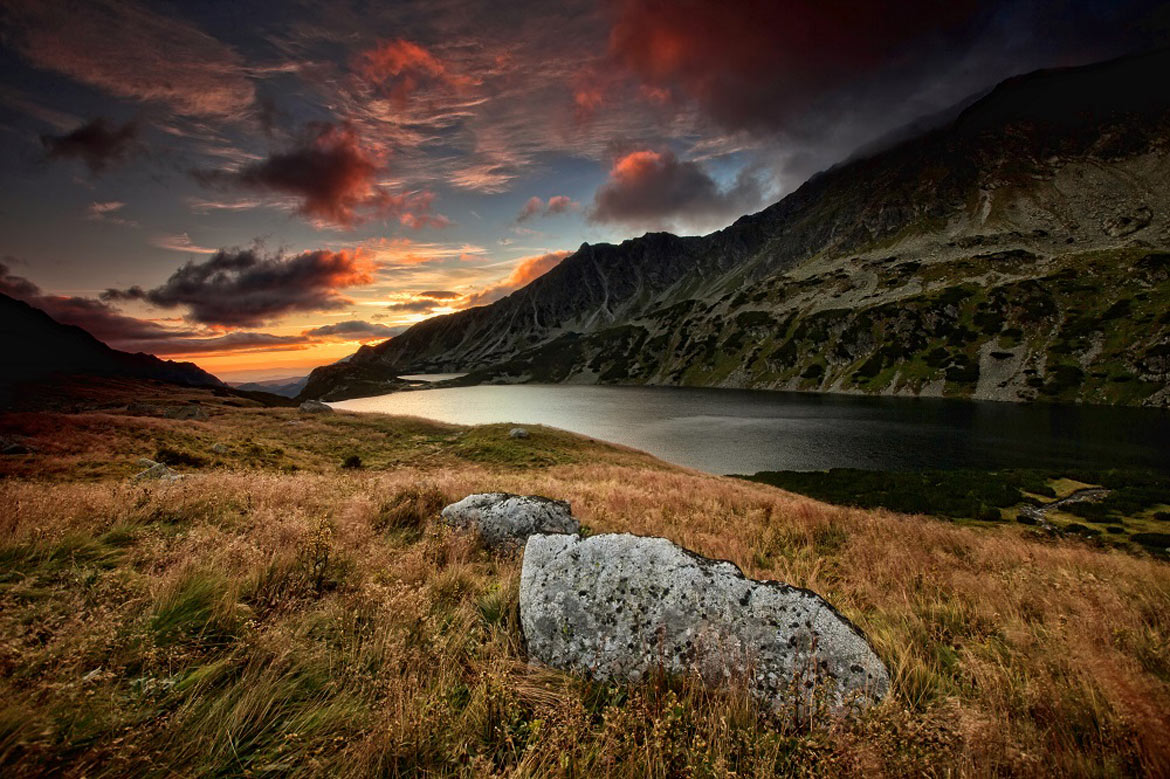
(252, 619)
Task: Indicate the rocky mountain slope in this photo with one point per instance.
(1019, 252)
(36, 346)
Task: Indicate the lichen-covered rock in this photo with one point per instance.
(616, 607)
(315, 407)
(517, 432)
(505, 520)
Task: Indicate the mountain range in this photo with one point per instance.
(38, 346)
(1019, 251)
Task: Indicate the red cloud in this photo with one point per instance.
(653, 189)
(527, 270)
(334, 177)
(399, 68)
(557, 204)
(750, 65)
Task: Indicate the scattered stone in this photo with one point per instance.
(505, 520)
(192, 411)
(315, 407)
(156, 472)
(617, 607)
(517, 432)
(218, 449)
(138, 408)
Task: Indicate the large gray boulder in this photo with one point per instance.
(315, 407)
(616, 607)
(506, 520)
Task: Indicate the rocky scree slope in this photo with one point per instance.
(1019, 252)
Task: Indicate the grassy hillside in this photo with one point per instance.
(276, 613)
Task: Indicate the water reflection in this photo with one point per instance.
(743, 431)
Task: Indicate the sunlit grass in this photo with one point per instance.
(255, 619)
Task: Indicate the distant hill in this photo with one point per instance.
(1020, 251)
(35, 346)
(288, 388)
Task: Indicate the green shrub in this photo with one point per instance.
(352, 462)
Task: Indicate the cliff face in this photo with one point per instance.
(1018, 253)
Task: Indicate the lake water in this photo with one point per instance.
(744, 431)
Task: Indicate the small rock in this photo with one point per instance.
(505, 520)
(157, 472)
(219, 449)
(617, 607)
(138, 408)
(517, 432)
(187, 412)
(13, 446)
(315, 407)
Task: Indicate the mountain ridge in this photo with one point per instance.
(1053, 166)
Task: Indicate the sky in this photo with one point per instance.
(262, 187)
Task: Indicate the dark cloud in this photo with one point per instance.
(16, 286)
(753, 65)
(236, 343)
(438, 294)
(413, 306)
(333, 177)
(98, 144)
(652, 189)
(243, 287)
(353, 330)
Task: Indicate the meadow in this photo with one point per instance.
(276, 613)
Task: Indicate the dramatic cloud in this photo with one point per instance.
(132, 52)
(557, 204)
(16, 286)
(334, 179)
(526, 270)
(653, 189)
(751, 66)
(98, 144)
(438, 294)
(235, 343)
(399, 68)
(243, 288)
(353, 330)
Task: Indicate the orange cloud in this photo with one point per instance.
(527, 270)
(399, 68)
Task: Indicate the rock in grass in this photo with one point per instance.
(192, 411)
(517, 432)
(156, 472)
(618, 607)
(505, 520)
(315, 407)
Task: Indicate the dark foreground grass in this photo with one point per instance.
(277, 614)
